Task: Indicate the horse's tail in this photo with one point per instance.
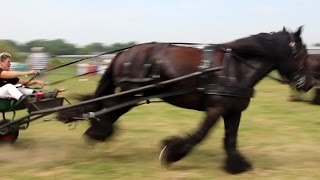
(106, 84)
(105, 87)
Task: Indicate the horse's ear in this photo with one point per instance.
(284, 29)
(298, 32)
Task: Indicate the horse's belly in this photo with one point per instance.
(193, 101)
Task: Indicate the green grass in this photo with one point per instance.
(279, 137)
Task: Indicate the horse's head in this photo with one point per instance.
(291, 55)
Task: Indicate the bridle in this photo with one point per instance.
(299, 77)
(293, 46)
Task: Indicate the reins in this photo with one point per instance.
(79, 60)
(129, 47)
(76, 76)
(92, 57)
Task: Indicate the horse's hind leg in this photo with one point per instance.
(102, 127)
(176, 148)
(235, 162)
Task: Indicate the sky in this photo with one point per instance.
(83, 22)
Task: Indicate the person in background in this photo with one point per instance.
(10, 84)
(38, 59)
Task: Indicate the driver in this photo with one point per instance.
(11, 85)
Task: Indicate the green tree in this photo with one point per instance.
(60, 47)
(9, 46)
(116, 46)
(53, 47)
(94, 47)
(34, 43)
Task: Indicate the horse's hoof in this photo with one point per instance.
(237, 164)
(163, 157)
(173, 150)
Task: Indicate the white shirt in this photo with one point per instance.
(38, 61)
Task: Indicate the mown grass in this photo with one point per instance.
(279, 137)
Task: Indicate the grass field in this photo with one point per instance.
(280, 138)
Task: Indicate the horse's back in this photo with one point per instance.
(175, 60)
(162, 60)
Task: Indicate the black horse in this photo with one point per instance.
(313, 63)
(223, 93)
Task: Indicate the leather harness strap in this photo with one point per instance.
(211, 57)
(224, 87)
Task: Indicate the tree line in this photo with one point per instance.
(57, 47)
(60, 47)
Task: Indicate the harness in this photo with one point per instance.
(224, 85)
(150, 71)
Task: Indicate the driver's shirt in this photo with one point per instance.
(8, 81)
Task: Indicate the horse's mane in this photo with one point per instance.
(262, 44)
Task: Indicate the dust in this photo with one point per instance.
(34, 153)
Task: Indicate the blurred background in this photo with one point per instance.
(281, 138)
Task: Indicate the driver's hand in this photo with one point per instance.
(41, 83)
(33, 72)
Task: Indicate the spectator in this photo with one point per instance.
(38, 59)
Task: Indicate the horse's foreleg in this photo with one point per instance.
(235, 162)
(175, 148)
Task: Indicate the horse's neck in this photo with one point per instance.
(262, 69)
(244, 74)
(251, 46)
(256, 52)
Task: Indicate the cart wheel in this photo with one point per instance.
(9, 137)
